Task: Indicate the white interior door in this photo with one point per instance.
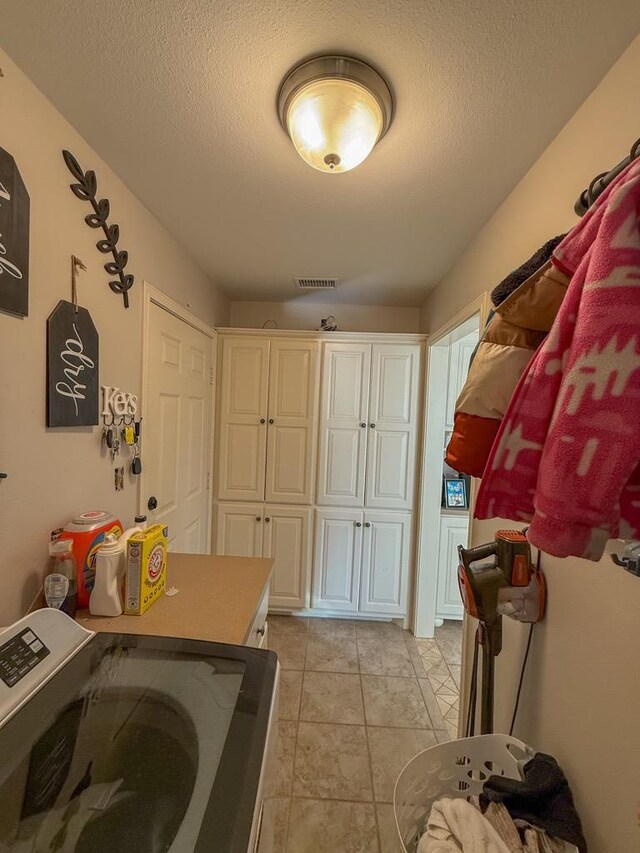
(385, 562)
(454, 531)
(239, 529)
(176, 435)
(338, 554)
(344, 424)
(243, 418)
(292, 422)
(287, 539)
(393, 426)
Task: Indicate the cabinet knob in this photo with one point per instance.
(263, 421)
(363, 425)
(367, 524)
(270, 420)
(258, 518)
(267, 520)
(260, 631)
(358, 524)
(373, 426)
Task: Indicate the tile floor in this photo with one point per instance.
(357, 701)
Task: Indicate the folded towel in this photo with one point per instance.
(454, 825)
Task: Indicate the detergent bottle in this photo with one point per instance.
(106, 595)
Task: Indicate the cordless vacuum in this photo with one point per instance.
(497, 579)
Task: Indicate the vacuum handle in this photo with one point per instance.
(480, 552)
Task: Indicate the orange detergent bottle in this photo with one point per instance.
(87, 532)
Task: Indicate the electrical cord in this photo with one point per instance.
(524, 665)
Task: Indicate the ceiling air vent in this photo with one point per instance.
(316, 283)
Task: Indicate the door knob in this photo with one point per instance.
(267, 519)
(258, 518)
(373, 426)
(152, 503)
(263, 421)
(363, 425)
(358, 524)
(367, 524)
(270, 420)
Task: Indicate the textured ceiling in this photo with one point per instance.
(179, 97)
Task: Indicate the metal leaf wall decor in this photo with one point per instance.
(86, 189)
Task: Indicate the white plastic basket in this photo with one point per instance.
(455, 769)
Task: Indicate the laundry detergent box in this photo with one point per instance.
(146, 576)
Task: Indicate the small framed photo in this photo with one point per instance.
(455, 493)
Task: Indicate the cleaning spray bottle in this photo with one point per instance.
(106, 595)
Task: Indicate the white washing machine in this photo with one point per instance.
(116, 743)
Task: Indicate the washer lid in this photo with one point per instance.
(139, 743)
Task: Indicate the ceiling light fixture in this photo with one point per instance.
(335, 109)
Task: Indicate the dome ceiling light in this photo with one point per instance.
(335, 109)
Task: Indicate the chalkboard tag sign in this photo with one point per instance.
(72, 367)
(14, 238)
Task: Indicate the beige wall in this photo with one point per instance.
(582, 691)
(54, 474)
(298, 314)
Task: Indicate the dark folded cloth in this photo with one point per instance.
(543, 798)
(517, 277)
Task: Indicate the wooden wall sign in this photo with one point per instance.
(72, 367)
(14, 238)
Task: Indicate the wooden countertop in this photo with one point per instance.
(218, 600)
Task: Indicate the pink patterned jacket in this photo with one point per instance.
(565, 458)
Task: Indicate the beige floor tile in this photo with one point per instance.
(275, 823)
(394, 702)
(390, 750)
(443, 735)
(331, 697)
(442, 683)
(332, 762)
(372, 630)
(291, 626)
(326, 654)
(449, 638)
(279, 772)
(416, 660)
(452, 730)
(384, 658)
(429, 696)
(318, 826)
(332, 628)
(389, 838)
(289, 648)
(455, 674)
(290, 690)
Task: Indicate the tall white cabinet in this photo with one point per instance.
(316, 464)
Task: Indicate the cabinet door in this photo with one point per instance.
(391, 455)
(385, 562)
(454, 531)
(344, 419)
(287, 539)
(239, 529)
(338, 555)
(292, 422)
(243, 405)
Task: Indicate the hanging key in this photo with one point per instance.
(128, 436)
(110, 437)
(136, 462)
(115, 447)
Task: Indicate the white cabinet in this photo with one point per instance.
(287, 538)
(344, 419)
(454, 531)
(460, 353)
(338, 556)
(392, 427)
(369, 424)
(267, 422)
(385, 562)
(291, 422)
(361, 561)
(270, 530)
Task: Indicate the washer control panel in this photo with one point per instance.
(19, 655)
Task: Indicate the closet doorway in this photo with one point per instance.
(446, 497)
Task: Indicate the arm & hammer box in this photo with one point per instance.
(146, 577)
